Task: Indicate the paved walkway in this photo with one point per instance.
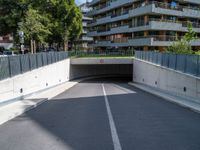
(104, 114)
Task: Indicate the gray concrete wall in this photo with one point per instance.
(33, 81)
(166, 79)
(98, 61)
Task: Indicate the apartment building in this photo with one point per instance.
(84, 40)
(142, 24)
(6, 42)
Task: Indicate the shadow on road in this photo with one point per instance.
(143, 121)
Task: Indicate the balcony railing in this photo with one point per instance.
(168, 38)
(159, 5)
(120, 40)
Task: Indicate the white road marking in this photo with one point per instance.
(115, 138)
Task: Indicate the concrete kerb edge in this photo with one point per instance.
(23, 111)
(165, 97)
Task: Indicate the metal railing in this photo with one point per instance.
(14, 65)
(185, 63)
(157, 4)
(96, 53)
(167, 38)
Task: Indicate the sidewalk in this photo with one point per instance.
(185, 102)
(12, 110)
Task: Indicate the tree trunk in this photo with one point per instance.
(32, 49)
(34, 46)
(65, 44)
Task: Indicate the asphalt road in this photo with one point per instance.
(103, 114)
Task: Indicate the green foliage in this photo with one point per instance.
(75, 29)
(183, 46)
(180, 47)
(35, 26)
(191, 34)
(12, 12)
(45, 21)
(197, 53)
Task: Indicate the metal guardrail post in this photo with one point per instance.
(176, 62)
(20, 61)
(37, 66)
(185, 65)
(9, 66)
(168, 60)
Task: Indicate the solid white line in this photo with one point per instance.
(115, 138)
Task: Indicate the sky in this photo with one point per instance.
(78, 2)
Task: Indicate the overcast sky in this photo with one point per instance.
(81, 1)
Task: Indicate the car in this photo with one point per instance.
(1, 50)
(9, 53)
(51, 49)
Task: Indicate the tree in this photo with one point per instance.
(183, 46)
(76, 28)
(51, 21)
(180, 47)
(35, 27)
(191, 34)
(68, 20)
(12, 13)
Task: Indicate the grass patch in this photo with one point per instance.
(102, 57)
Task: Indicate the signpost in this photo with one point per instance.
(21, 38)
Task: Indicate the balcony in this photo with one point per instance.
(85, 38)
(114, 30)
(152, 24)
(152, 7)
(152, 40)
(93, 2)
(110, 5)
(102, 43)
(191, 1)
(158, 40)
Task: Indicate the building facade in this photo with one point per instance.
(142, 24)
(85, 41)
(6, 42)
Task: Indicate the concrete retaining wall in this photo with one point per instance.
(103, 61)
(55, 74)
(168, 80)
(33, 81)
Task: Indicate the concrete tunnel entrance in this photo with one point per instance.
(80, 67)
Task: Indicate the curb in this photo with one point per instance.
(170, 98)
(14, 115)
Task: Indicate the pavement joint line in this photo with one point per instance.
(115, 138)
(193, 106)
(124, 89)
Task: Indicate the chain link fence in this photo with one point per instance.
(14, 65)
(189, 64)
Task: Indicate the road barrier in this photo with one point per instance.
(14, 65)
(185, 63)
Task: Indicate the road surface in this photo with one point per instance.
(103, 114)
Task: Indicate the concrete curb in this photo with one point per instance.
(10, 113)
(6, 116)
(186, 103)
